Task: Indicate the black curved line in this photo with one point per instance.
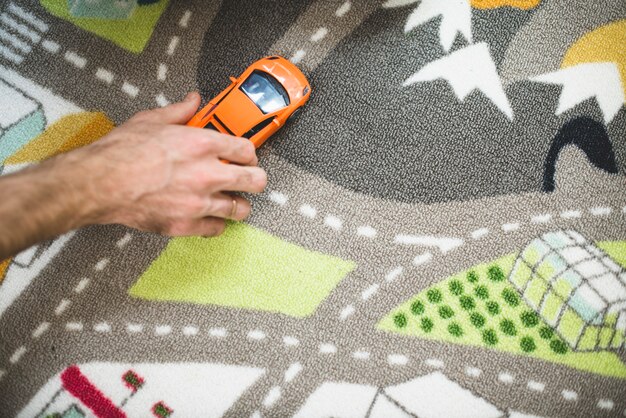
(590, 137)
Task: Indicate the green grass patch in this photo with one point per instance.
(446, 312)
(434, 295)
(456, 287)
(481, 292)
(243, 268)
(504, 325)
(615, 249)
(417, 307)
(131, 34)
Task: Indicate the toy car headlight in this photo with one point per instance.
(305, 91)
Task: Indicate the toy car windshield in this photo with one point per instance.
(265, 91)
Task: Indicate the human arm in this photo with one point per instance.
(151, 173)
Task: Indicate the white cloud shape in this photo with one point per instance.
(466, 70)
(456, 17)
(584, 81)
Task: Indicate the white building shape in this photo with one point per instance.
(576, 288)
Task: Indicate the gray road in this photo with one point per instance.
(580, 187)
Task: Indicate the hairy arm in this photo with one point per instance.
(151, 173)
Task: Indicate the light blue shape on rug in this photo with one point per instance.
(102, 9)
(18, 135)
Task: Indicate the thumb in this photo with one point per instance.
(180, 112)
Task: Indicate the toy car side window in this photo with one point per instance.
(265, 91)
(257, 128)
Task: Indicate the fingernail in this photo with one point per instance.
(190, 97)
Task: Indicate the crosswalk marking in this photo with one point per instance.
(19, 31)
(15, 41)
(28, 17)
(19, 28)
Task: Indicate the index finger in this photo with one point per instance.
(226, 147)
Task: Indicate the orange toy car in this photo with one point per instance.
(258, 103)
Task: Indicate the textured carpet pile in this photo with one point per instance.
(443, 234)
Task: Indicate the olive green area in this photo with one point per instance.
(480, 307)
(616, 249)
(131, 34)
(244, 268)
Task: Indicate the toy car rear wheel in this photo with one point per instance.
(294, 115)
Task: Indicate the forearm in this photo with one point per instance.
(42, 202)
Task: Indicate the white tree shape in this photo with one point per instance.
(465, 70)
(456, 17)
(584, 81)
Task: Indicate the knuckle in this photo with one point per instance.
(260, 180)
(215, 227)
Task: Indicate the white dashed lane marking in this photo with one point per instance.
(343, 9)
(184, 21)
(278, 198)
(105, 75)
(569, 395)
(366, 231)
(130, 89)
(134, 328)
(606, 404)
(361, 355)
(434, 363)
(162, 330)
(171, 47)
(319, 34)
(75, 59)
(74, 326)
(121, 243)
(256, 334)
(473, 371)
(101, 265)
(298, 56)
(41, 329)
(327, 348)
(161, 100)
(393, 274)
(333, 222)
(84, 282)
(218, 332)
(370, 291)
(17, 355)
(600, 211)
(308, 211)
(536, 386)
(290, 341)
(510, 227)
(51, 46)
(397, 359)
(479, 233)
(190, 331)
(62, 306)
(102, 327)
(541, 219)
(506, 377)
(162, 72)
(10, 55)
(570, 214)
(422, 259)
(346, 312)
(293, 371)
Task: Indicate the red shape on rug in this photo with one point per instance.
(82, 389)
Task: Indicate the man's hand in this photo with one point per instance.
(152, 173)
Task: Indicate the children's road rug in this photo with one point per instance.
(443, 234)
